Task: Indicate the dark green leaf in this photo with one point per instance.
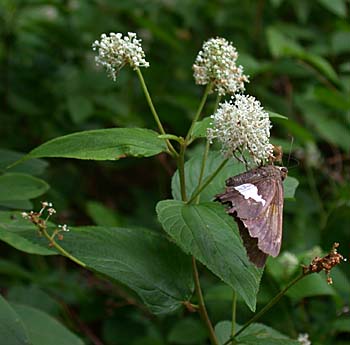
(211, 236)
(283, 46)
(188, 331)
(102, 215)
(312, 285)
(223, 331)
(200, 128)
(290, 185)
(338, 7)
(32, 167)
(341, 325)
(12, 328)
(80, 108)
(44, 329)
(255, 334)
(258, 334)
(102, 144)
(141, 259)
(18, 233)
(279, 116)
(17, 186)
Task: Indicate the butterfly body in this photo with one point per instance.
(255, 200)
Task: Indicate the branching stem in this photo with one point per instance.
(54, 244)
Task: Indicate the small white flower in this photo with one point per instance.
(303, 339)
(25, 215)
(64, 227)
(242, 125)
(115, 51)
(51, 211)
(216, 63)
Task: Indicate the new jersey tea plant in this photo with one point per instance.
(164, 268)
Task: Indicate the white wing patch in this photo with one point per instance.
(248, 190)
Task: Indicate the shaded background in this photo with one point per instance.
(297, 55)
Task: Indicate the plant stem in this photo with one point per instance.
(204, 160)
(217, 102)
(207, 181)
(154, 112)
(59, 248)
(267, 306)
(181, 168)
(202, 309)
(199, 111)
(234, 304)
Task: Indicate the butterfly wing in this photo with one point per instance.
(267, 226)
(256, 256)
(259, 208)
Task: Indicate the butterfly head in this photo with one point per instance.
(284, 172)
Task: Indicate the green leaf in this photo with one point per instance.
(328, 128)
(211, 236)
(258, 334)
(276, 115)
(18, 233)
(102, 215)
(102, 144)
(44, 329)
(80, 108)
(312, 285)
(341, 325)
(223, 331)
(33, 296)
(32, 167)
(255, 334)
(192, 171)
(17, 204)
(11, 327)
(290, 185)
(18, 186)
(141, 259)
(200, 128)
(337, 7)
(282, 46)
(188, 331)
(340, 42)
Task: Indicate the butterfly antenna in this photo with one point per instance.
(290, 149)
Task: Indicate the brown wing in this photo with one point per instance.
(248, 208)
(260, 225)
(267, 226)
(256, 256)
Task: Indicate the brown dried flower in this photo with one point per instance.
(325, 264)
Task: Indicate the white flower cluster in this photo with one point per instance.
(242, 125)
(216, 63)
(115, 51)
(303, 339)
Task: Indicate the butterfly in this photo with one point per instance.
(255, 201)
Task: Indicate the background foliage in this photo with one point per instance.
(297, 55)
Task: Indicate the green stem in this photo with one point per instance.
(59, 248)
(207, 181)
(199, 111)
(181, 168)
(267, 306)
(202, 309)
(217, 102)
(234, 304)
(204, 160)
(154, 112)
